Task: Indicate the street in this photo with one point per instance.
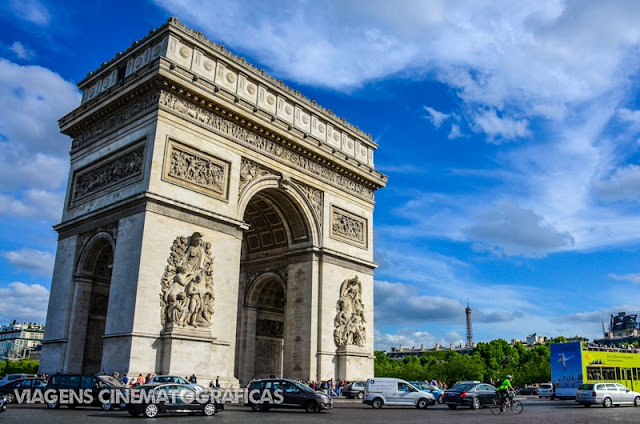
(535, 411)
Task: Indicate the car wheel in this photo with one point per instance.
(377, 403)
(107, 406)
(9, 398)
(586, 405)
(53, 405)
(311, 406)
(475, 403)
(360, 395)
(607, 402)
(209, 409)
(422, 403)
(151, 410)
(452, 406)
(636, 401)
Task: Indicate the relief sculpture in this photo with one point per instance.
(350, 322)
(186, 298)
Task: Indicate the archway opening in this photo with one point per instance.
(278, 227)
(98, 267)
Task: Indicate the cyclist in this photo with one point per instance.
(503, 389)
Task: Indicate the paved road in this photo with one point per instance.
(535, 411)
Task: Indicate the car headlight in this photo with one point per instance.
(321, 396)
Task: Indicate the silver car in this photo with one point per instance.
(606, 394)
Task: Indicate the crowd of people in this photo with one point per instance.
(611, 348)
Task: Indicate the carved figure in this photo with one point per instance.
(350, 322)
(186, 296)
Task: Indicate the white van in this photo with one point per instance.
(394, 391)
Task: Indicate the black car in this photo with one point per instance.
(16, 387)
(285, 393)
(353, 390)
(528, 391)
(475, 395)
(153, 399)
(83, 390)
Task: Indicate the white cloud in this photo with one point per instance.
(34, 204)
(24, 302)
(436, 117)
(633, 278)
(517, 231)
(623, 184)
(500, 129)
(627, 115)
(21, 51)
(31, 260)
(31, 11)
(455, 132)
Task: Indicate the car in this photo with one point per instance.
(429, 388)
(381, 391)
(85, 388)
(16, 387)
(3, 403)
(546, 390)
(161, 379)
(474, 395)
(150, 400)
(606, 394)
(354, 390)
(268, 393)
(10, 377)
(528, 391)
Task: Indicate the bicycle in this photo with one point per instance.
(501, 404)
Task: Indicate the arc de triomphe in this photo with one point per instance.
(216, 222)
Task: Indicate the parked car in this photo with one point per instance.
(606, 394)
(10, 377)
(546, 390)
(16, 387)
(163, 379)
(171, 398)
(3, 404)
(394, 391)
(354, 390)
(286, 393)
(475, 395)
(429, 388)
(78, 383)
(528, 391)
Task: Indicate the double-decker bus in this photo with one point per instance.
(573, 364)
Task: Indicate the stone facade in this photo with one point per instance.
(215, 223)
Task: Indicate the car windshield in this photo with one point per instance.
(303, 387)
(110, 380)
(586, 387)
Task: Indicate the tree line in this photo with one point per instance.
(489, 362)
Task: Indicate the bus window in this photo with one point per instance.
(608, 373)
(593, 373)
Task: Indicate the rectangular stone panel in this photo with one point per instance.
(348, 227)
(196, 170)
(108, 174)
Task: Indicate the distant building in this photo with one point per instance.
(623, 328)
(533, 339)
(400, 352)
(17, 340)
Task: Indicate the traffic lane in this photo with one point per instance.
(535, 411)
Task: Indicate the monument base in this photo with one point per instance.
(354, 363)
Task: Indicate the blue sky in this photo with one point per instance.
(509, 131)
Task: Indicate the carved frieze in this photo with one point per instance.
(350, 322)
(186, 295)
(176, 105)
(117, 120)
(348, 227)
(269, 327)
(108, 173)
(316, 199)
(250, 171)
(196, 170)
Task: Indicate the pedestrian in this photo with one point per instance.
(217, 382)
(140, 380)
(125, 379)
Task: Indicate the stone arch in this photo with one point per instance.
(89, 255)
(256, 286)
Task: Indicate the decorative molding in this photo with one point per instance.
(281, 271)
(117, 120)
(315, 198)
(186, 296)
(350, 322)
(196, 170)
(114, 170)
(226, 128)
(269, 328)
(348, 227)
(250, 171)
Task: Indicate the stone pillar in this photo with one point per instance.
(78, 324)
(248, 362)
(354, 363)
(186, 351)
